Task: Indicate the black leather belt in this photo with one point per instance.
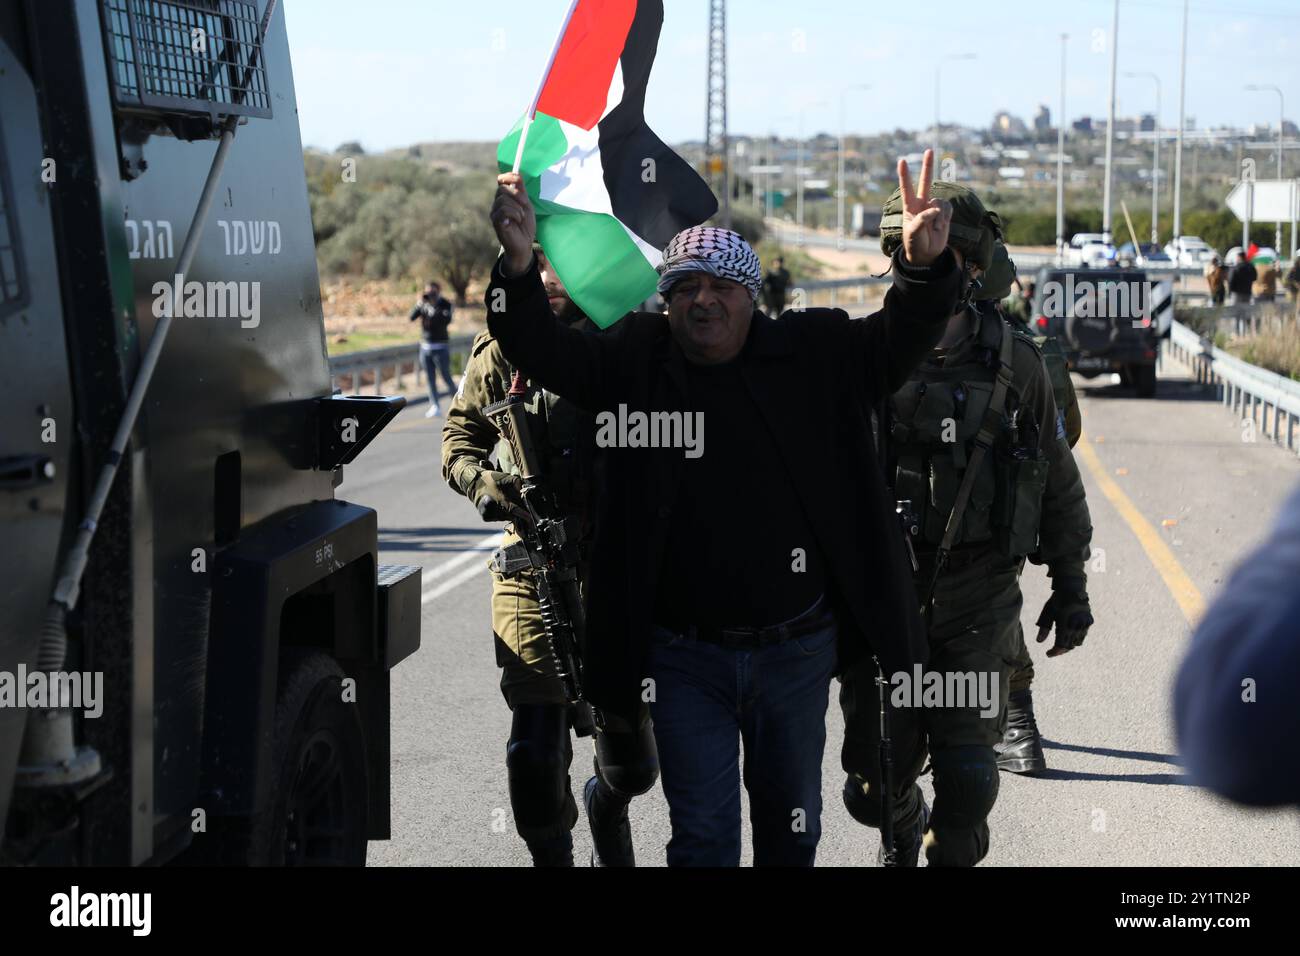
(814, 619)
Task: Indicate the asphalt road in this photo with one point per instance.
(1177, 492)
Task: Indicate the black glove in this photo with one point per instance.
(498, 496)
(1067, 609)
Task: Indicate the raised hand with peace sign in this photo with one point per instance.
(925, 220)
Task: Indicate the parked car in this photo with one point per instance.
(1189, 251)
(1144, 253)
(1097, 255)
(1074, 253)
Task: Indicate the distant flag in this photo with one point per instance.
(609, 193)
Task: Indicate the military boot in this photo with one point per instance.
(611, 832)
(1021, 749)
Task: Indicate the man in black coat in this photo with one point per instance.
(727, 587)
(1241, 281)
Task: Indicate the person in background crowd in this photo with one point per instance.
(775, 287)
(434, 313)
(1215, 280)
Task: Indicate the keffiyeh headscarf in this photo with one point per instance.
(718, 252)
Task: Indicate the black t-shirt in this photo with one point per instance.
(434, 318)
(731, 557)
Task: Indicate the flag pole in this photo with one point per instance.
(546, 75)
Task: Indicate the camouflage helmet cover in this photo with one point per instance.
(974, 229)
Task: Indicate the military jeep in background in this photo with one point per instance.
(237, 611)
(1107, 320)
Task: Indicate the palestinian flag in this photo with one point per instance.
(609, 194)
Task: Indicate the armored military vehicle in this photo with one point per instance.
(1107, 320)
(195, 634)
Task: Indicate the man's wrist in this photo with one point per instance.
(939, 265)
(466, 474)
(1073, 582)
(516, 268)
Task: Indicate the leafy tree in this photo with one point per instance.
(450, 234)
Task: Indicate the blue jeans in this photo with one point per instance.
(437, 358)
(707, 699)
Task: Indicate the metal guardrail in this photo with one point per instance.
(355, 365)
(1246, 389)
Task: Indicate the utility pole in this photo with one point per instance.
(717, 147)
(1110, 127)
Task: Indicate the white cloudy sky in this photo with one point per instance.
(392, 72)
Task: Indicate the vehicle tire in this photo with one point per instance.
(318, 804)
(1144, 377)
(1126, 376)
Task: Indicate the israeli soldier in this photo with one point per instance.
(539, 751)
(1021, 748)
(974, 445)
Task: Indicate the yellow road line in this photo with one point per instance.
(1180, 585)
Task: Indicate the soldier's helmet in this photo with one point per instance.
(975, 230)
(999, 277)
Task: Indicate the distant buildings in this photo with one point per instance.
(1082, 125)
(1043, 120)
(1006, 126)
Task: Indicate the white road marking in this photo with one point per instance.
(432, 591)
(457, 581)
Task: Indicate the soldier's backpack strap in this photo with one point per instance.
(983, 442)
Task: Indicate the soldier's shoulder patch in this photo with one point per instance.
(1060, 424)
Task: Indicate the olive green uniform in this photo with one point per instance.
(1058, 371)
(1017, 310)
(1027, 499)
(565, 435)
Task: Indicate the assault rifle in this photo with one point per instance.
(549, 548)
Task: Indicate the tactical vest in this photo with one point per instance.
(935, 420)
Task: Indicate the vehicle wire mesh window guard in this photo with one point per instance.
(13, 287)
(186, 56)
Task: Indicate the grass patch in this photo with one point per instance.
(360, 341)
(801, 266)
(1277, 350)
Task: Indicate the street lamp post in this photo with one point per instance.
(1155, 162)
(840, 191)
(1060, 164)
(1281, 119)
(938, 67)
(1110, 128)
(1178, 148)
